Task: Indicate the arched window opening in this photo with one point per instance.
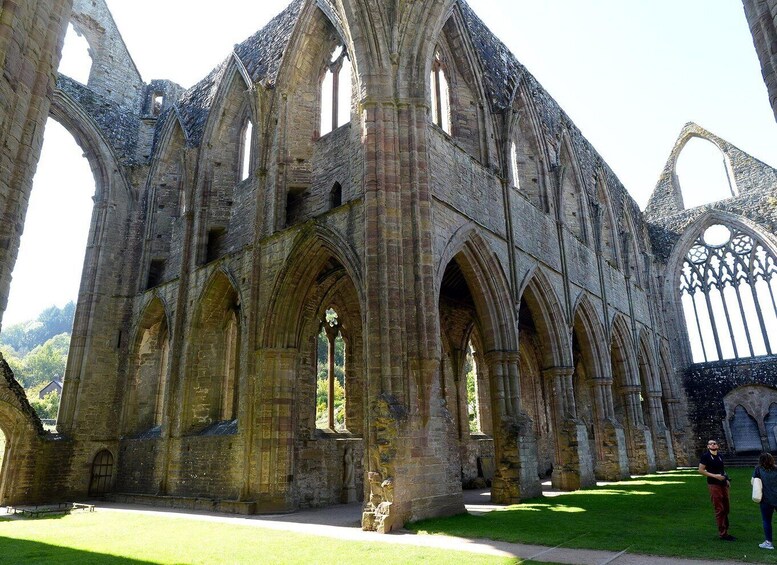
(157, 103)
(514, 166)
(336, 196)
(728, 285)
(702, 172)
(336, 92)
(229, 388)
(473, 391)
(330, 389)
(161, 390)
(245, 150)
(44, 250)
(76, 61)
(441, 96)
(102, 471)
(146, 395)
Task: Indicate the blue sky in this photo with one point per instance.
(629, 74)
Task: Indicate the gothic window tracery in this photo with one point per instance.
(441, 97)
(336, 92)
(728, 285)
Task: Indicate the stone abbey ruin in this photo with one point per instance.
(386, 180)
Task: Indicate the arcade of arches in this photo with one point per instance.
(307, 284)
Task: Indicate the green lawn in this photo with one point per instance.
(662, 514)
(121, 539)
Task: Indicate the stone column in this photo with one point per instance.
(271, 455)
(31, 37)
(572, 469)
(762, 18)
(662, 439)
(515, 444)
(642, 457)
(679, 432)
(612, 463)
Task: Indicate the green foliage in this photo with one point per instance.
(41, 365)
(472, 395)
(25, 336)
(37, 352)
(322, 384)
(47, 406)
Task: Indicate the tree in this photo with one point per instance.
(47, 406)
(25, 336)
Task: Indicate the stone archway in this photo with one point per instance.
(750, 423)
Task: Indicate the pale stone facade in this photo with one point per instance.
(445, 220)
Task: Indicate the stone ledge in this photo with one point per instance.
(185, 502)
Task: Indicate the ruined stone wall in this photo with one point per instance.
(138, 466)
(408, 191)
(708, 383)
(762, 17)
(31, 36)
(113, 74)
(320, 470)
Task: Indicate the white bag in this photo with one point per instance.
(757, 489)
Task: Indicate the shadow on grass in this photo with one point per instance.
(660, 514)
(25, 551)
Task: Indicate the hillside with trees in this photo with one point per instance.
(36, 351)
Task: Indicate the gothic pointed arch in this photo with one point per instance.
(316, 301)
(589, 331)
(573, 201)
(21, 428)
(622, 351)
(317, 76)
(526, 159)
(147, 389)
(541, 308)
(166, 203)
(456, 64)
(632, 245)
(486, 280)
(115, 201)
(213, 362)
(608, 233)
(232, 115)
(721, 280)
(313, 250)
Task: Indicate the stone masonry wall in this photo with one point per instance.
(31, 37)
(708, 383)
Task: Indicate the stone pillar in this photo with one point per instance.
(31, 37)
(271, 452)
(679, 432)
(612, 463)
(662, 439)
(642, 457)
(515, 444)
(572, 469)
(762, 18)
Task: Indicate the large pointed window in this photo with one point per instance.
(330, 390)
(336, 92)
(441, 97)
(728, 286)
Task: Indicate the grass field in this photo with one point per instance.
(662, 514)
(118, 538)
